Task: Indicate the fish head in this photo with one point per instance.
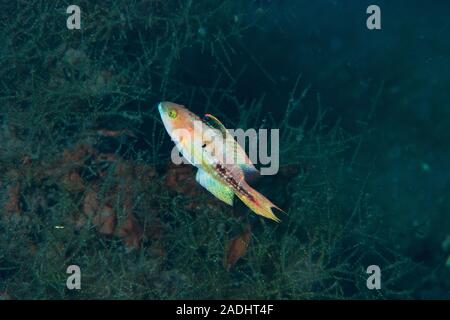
(175, 116)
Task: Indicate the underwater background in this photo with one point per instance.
(86, 177)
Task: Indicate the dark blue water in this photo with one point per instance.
(85, 160)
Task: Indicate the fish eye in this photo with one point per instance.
(173, 113)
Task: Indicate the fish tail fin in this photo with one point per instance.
(259, 204)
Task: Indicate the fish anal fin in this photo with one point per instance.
(218, 189)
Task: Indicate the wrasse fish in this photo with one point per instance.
(209, 146)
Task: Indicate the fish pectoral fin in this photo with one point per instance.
(218, 189)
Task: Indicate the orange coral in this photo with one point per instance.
(131, 232)
(12, 206)
(129, 179)
(13, 195)
(237, 248)
(77, 154)
(90, 203)
(114, 133)
(73, 182)
(105, 220)
(181, 179)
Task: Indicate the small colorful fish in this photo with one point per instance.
(208, 145)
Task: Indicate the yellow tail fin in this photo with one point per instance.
(259, 204)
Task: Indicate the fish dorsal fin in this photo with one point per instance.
(218, 189)
(215, 123)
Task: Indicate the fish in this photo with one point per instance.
(223, 166)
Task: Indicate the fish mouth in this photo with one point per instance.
(161, 108)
